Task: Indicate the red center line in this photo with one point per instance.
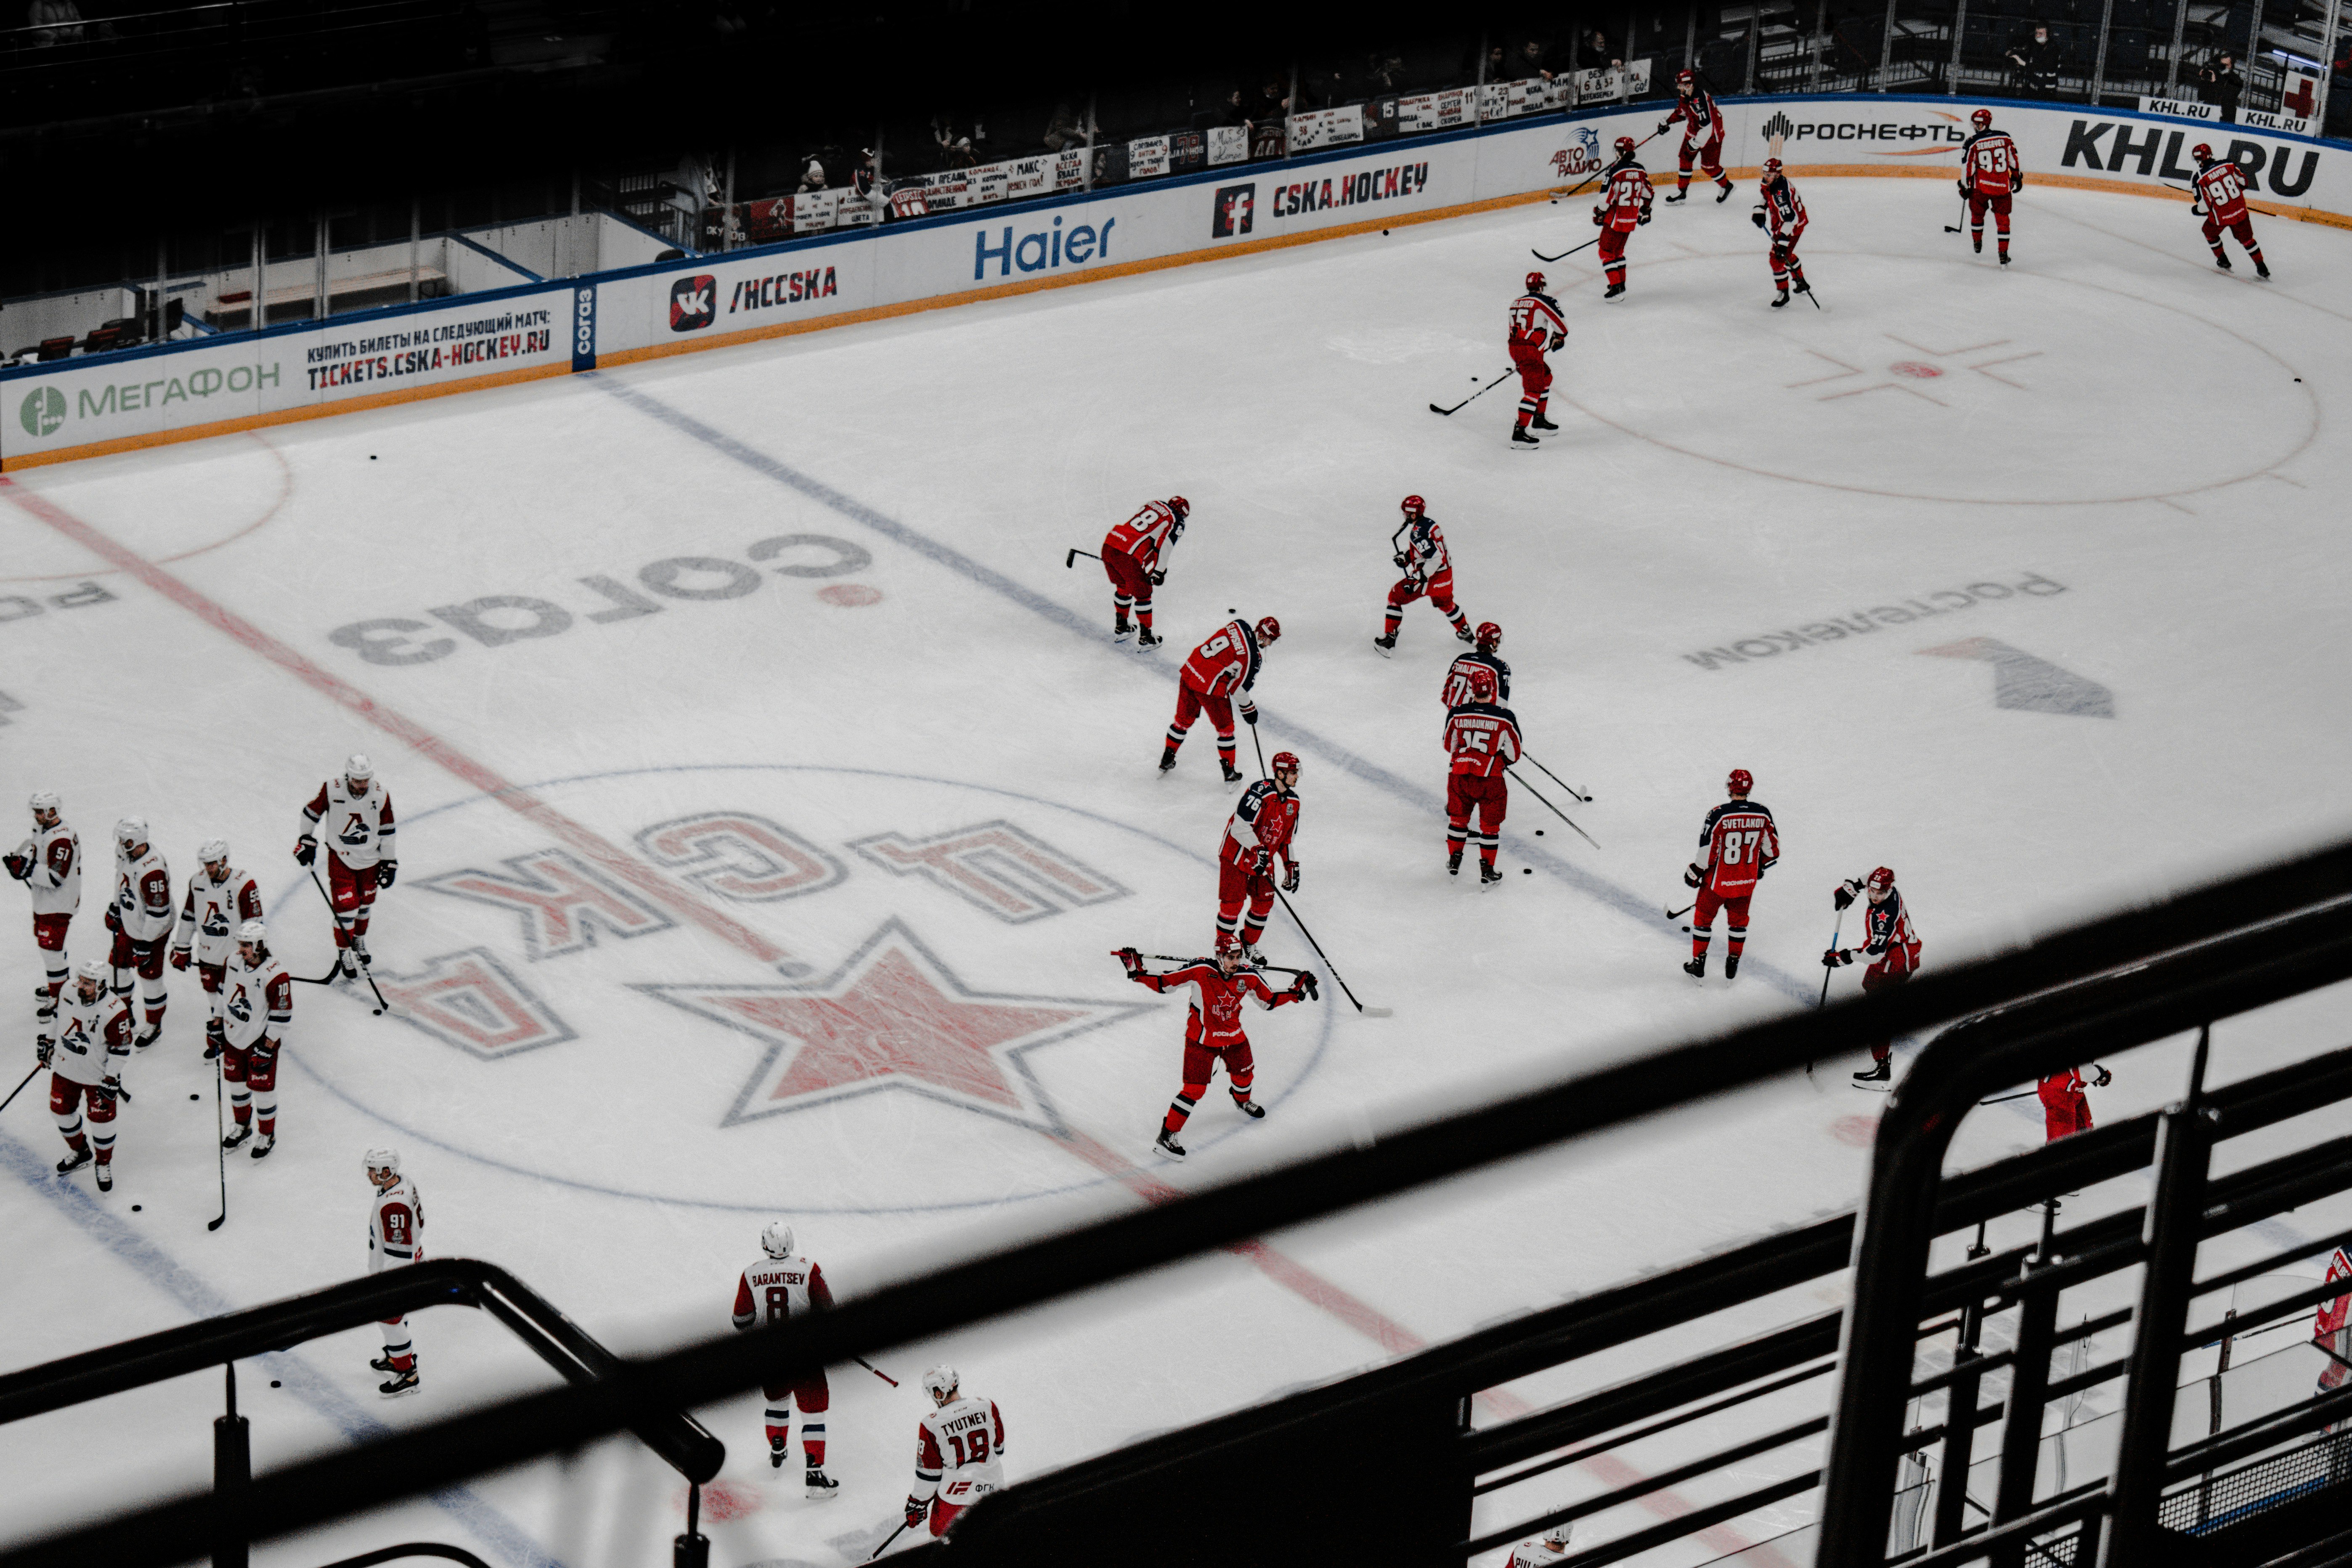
(1391, 1337)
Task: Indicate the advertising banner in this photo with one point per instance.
(1228, 144)
(1147, 156)
(2180, 108)
(1443, 111)
(1326, 127)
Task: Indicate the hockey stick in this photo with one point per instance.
(1478, 394)
(1261, 752)
(1564, 255)
(1582, 798)
(886, 1541)
(875, 1370)
(1835, 931)
(1555, 810)
(366, 970)
(1072, 558)
(327, 979)
(1367, 1012)
(220, 1132)
(1678, 914)
(20, 1087)
(1954, 228)
(2005, 1099)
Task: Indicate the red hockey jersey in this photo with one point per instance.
(1625, 199)
(1215, 1020)
(1990, 166)
(1784, 213)
(1701, 120)
(1483, 738)
(1266, 818)
(1742, 843)
(1227, 660)
(1146, 536)
(1535, 322)
(2221, 186)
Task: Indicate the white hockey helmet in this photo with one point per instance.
(130, 830)
(383, 1160)
(253, 932)
(941, 1383)
(213, 851)
(94, 970)
(357, 766)
(44, 800)
(776, 1241)
(1560, 1537)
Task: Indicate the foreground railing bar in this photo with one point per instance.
(2291, 1254)
(2253, 1437)
(2230, 979)
(1648, 1484)
(1698, 1413)
(2084, 1503)
(2285, 1307)
(1691, 1523)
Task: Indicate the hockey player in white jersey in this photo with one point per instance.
(219, 899)
(780, 1285)
(1543, 1552)
(141, 919)
(257, 1009)
(355, 811)
(49, 862)
(85, 1059)
(957, 1449)
(396, 1239)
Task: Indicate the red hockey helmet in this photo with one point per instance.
(1481, 685)
(1286, 763)
(1982, 120)
(1740, 782)
(1625, 146)
(1268, 629)
(1413, 505)
(1684, 82)
(1535, 282)
(1772, 170)
(1180, 507)
(1490, 636)
(1880, 882)
(2202, 151)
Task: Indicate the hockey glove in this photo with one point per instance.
(180, 958)
(1780, 249)
(304, 849)
(2017, 179)
(1661, 130)
(1764, 866)
(45, 1047)
(1249, 714)
(1305, 985)
(1557, 340)
(1962, 186)
(1159, 575)
(1836, 956)
(113, 919)
(2104, 1078)
(1290, 883)
(1644, 217)
(1841, 896)
(1131, 958)
(385, 870)
(18, 867)
(1694, 874)
(1402, 564)
(916, 1508)
(1759, 216)
(2196, 209)
(1597, 219)
(1262, 861)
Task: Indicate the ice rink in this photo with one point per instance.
(773, 795)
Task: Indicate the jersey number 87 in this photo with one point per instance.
(1736, 843)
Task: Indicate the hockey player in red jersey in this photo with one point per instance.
(1227, 661)
(85, 1055)
(1990, 171)
(779, 1286)
(1624, 206)
(1536, 328)
(1781, 212)
(2221, 203)
(1482, 656)
(2065, 1109)
(1889, 942)
(355, 811)
(1482, 738)
(49, 862)
(1702, 125)
(1265, 826)
(1135, 555)
(1213, 1029)
(1740, 844)
(1428, 569)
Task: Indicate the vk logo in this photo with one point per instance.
(693, 302)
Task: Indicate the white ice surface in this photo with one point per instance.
(2110, 415)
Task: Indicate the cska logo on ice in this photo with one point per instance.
(779, 963)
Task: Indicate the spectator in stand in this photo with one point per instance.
(862, 177)
(2219, 83)
(54, 22)
(1064, 129)
(1496, 66)
(812, 177)
(1319, 87)
(1528, 61)
(2036, 60)
(1383, 71)
(1594, 52)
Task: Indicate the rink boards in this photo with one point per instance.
(184, 391)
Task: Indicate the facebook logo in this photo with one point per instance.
(1235, 210)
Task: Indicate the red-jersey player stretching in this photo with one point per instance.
(1990, 173)
(1781, 211)
(1483, 656)
(1264, 824)
(1481, 737)
(1228, 660)
(1536, 328)
(1742, 843)
(1213, 1030)
(1702, 125)
(1889, 942)
(1624, 206)
(1428, 568)
(1132, 555)
(2221, 203)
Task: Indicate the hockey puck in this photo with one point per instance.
(1527, 870)
(191, 1097)
(1539, 833)
(370, 459)
(1384, 234)
(276, 1384)
(136, 1207)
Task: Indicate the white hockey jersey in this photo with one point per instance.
(93, 1038)
(357, 827)
(55, 853)
(396, 1228)
(256, 1002)
(957, 1449)
(143, 895)
(211, 911)
(774, 1289)
(1538, 1553)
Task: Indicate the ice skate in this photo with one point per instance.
(1464, 634)
(346, 965)
(2261, 268)
(1723, 194)
(2221, 261)
(779, 1450)
(1251, 1109)
(105, 1177)
(74, 1161)
(1454, 864)
(360, 949)
(238, 1136)
(1121, 630)
(147, 1036)
(1543, 421)
(1168, 760)
(1730, 965)
(1696, 967)
(1680, 196)
(264, 1145)
(1519, 436)
(1166, 1143)
(816, 1485)
(1781, 299)
(1146, 637)
(1385, 646)
(1879, 1071)
(1232, 774)
(398, 1384)
(1616, 291)
(383, 1363)
(1488, 877)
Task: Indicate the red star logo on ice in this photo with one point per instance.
(893, 1016)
